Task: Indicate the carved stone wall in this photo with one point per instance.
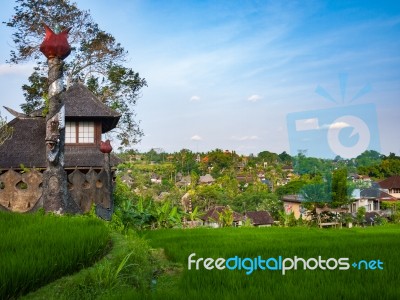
(90, 188)
(21, 192)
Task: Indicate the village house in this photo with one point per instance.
(212, 217)
(206, 179)
(23, 157)
(183, 181)
(259, 218)
(293, 204)
(392, 185)
(370, 198)
(245, 178)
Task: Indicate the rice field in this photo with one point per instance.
(378, 279)
(36, 249)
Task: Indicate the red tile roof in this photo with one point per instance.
(392, 182)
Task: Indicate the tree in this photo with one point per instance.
(221, 161)
(292, 187)
(310, 165)
(96, 59)
(5, 130)
(166, 215)
(361, 215)
(313, 194)
(285, 158)
(268, 157)
(206, 196)
(368, 158)
(225, 218)
(340, 188)
(271, 203)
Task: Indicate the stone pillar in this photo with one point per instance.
(55, 195)
(106, 148)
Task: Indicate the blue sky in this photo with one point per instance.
(227, 74)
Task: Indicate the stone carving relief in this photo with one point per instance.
(89, 188)
(20, 192)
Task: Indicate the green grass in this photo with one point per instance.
(124, 273)
(357, 243)
(36, 249)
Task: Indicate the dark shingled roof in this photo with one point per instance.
(293, 198)
(392, 182)
(86, 157)
(27, 144)
(374, 193)
(260, 217)
(81, 103)
(213, 214)
(370, 193)
(27, 147)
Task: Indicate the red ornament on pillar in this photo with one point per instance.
(105, 147)
(55, 45)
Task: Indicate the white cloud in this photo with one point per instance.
(24, 69)
(195, 98)
(307, 124)
(336, 125)
(245, 138)
(339, 125)
(254, 98)
(196, 138)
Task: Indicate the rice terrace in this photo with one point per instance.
(155, 265)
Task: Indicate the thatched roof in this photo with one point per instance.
(27, 144)
(259, 217)
(81, 103)
(213, 214)
(206, 179)
(27, 147)
(86, 157)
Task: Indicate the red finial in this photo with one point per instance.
(55, 45)
(105, 147)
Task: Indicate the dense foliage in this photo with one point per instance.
(153, 188)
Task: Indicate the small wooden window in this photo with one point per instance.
(86, 133)
(79, 132)
(70, 132)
